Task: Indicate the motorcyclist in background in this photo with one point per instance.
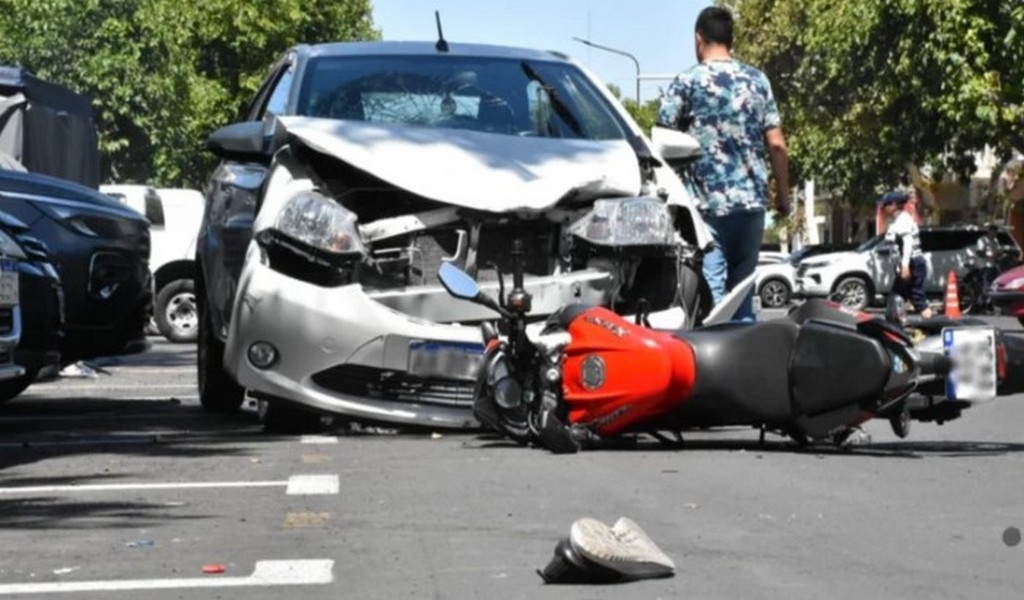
(912, 270)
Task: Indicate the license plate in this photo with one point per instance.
(8, 282)
(449, 360)
(973, 351)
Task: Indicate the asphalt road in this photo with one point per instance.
(120, 483)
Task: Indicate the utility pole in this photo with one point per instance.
(620, 53)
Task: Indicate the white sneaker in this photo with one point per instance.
(624, 548)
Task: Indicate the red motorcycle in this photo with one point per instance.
(586, 373)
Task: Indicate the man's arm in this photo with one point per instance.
(779, 156)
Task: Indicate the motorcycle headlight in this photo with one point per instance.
(10, 248)
(321, 224)
(627, 222)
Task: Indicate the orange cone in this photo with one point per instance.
(952, 309)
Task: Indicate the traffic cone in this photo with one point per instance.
(952, 309)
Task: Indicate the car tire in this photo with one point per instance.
(175, 311)
(775, 293)
(279, 416)
(217, 391)
(12, 388)
(853, 291)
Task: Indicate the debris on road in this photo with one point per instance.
(214, 569)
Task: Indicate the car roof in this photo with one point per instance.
(427, 49)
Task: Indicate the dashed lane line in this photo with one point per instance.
(266, 573)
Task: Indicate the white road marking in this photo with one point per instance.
(267, 573)
(312, 485)
(99, 386)
(117, 487)
(319, 439)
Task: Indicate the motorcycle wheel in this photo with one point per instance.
(694, 295)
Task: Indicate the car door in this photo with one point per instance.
(881, 263)
(231, 202)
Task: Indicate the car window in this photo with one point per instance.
(946, 241)
(278, 102)
(495, 95)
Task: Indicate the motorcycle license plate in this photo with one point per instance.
(449, 360)
(8, 282)
(973, 351)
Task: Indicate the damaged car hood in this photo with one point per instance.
(476, 170)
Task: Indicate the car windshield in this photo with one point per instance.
(497, 95)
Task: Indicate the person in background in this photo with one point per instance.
(729, 107)
(912, 269)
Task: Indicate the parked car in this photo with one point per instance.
(1007, 293)
(41, 306)
(174, 218)
(100, 248)
(776, 279)
(866, 275)
(317, 282)
(10, 311)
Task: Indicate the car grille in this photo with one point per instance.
(6, 320)
(370, 382)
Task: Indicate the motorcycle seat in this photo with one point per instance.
(742, 372)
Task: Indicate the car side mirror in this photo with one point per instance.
(674, 145)
(244, 141)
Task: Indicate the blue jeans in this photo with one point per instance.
(734, 257)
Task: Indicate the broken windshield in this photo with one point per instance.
(504, 96)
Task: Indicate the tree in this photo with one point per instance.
(164, 73)
(867, 87)
(645, 115)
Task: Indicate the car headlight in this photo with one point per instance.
(627, 222)
(321, 224)
(9, 248)
(90, 222)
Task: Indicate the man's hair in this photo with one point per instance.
(714, 24)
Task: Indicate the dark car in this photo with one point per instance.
(42, 305)
(101, 250)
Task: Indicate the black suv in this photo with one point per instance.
(101, 250)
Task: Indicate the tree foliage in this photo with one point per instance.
(866, 87)
(645, 114)
(164, 73)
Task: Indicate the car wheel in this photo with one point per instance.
(11, 388)
(282, 417)
(852, 292)
(176, 314)
(968, 295)
(217, 391)
(774, 293)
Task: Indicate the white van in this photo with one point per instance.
(174, 216)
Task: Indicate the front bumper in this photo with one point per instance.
(342, 352)
(10, 335)
(810, 285)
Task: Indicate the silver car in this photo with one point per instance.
(390, 158)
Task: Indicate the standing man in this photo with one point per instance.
(729, 107)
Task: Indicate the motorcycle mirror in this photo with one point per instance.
(458, 282)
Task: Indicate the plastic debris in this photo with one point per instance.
(79, 370)
(65, 570)
(436, 436)
(214, 569)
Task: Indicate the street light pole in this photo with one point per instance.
(620, 53)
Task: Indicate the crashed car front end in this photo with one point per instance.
(338, 307)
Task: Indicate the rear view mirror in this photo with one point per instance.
(457, 282)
